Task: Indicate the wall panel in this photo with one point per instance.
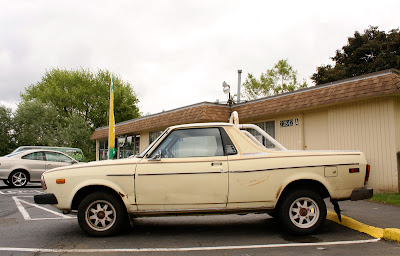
(290, 137)
(368, 126)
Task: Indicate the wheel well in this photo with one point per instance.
(21, 170)
(314, 185)
(91, 189)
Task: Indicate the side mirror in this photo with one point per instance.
(156, 157)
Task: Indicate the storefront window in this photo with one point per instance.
(103, 150)
(130, 147)
(154, 135)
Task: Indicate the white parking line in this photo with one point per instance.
(26, 216)
(187, 248)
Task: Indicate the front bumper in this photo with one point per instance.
(362, 193)
(45, 199)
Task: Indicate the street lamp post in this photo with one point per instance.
(227, 90)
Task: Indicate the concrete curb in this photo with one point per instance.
(389, 234)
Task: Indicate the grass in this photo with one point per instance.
(393, 199)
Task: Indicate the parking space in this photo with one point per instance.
(32, 211)
(29, 229)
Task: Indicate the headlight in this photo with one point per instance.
(43, 182)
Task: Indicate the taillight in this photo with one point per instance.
(367, 174)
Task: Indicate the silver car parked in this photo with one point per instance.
(17, 169)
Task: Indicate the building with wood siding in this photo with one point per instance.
(361, 113)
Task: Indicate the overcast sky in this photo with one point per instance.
(176, 53)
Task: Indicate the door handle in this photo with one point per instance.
(218, 165)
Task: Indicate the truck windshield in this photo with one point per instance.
(144, 152)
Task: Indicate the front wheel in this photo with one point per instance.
(302, 212)
(102, 214)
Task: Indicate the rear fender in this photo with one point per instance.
(306, 177)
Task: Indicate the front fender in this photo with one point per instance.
(100, 182)
(66, 195)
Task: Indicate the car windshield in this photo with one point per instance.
(144, 152)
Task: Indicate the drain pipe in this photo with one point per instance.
(239, 83)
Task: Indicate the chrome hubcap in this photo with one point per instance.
(100, 215)
(19, 179)
(304, 212)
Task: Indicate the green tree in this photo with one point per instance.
(7, 144)
(35, 124)
(86, 94)
(280, 79)
(75, 132)
(39, 124)
(372, 51)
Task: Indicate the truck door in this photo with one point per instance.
(190, 172)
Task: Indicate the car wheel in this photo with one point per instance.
(302, 212)
(102, 214)
(6, 182)
(18, 179)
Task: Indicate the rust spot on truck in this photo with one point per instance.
(253, 182)
(121, 195)
(258, 181)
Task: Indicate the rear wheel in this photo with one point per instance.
(302, 212)
(6, 182)
(18, 179)
(102, 214)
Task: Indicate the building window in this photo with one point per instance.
(130, 147)
(268, 127)
(103, 150)
(154, 135)
(136, 144)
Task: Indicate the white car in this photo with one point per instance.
(19, 168)
(209, 168)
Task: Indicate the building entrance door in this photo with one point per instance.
(316, 132)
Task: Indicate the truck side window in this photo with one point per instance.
(198, 142)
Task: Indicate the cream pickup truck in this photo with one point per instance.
(208, 168)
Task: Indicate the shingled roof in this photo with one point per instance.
(362, 87)
(197, 113)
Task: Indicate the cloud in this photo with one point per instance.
(176, 53)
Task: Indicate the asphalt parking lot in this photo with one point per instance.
(30, 229)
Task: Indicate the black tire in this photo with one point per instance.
(302, 212)
(274, 214)
(102, 214)
(6, 182)
(18, 178)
